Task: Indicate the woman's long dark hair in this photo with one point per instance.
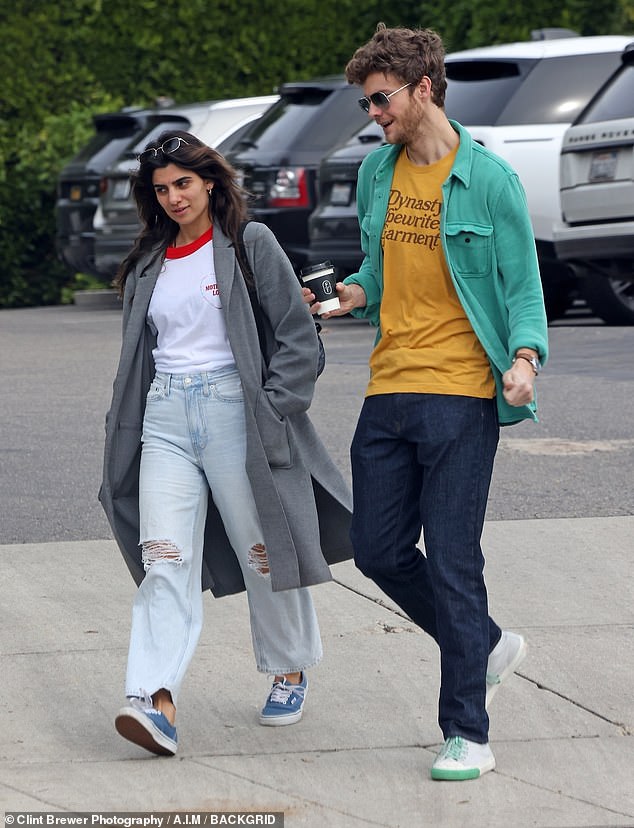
(227, 204)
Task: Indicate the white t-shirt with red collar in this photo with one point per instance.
(186, 312)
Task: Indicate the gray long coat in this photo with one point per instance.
(303, 503)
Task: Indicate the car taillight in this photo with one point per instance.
(290, 188)
(103, 185)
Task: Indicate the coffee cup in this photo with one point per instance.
(321, 280)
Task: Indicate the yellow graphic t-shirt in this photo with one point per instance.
(427, 344)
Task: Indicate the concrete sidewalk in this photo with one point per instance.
(562, 730)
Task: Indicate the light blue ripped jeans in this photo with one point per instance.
(194, 440)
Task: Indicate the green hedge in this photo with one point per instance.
(62, 62)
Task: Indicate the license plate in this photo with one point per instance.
(121, 189)
(603, 166)
(75, 192)
(341, 194)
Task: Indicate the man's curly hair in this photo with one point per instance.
(410, 54)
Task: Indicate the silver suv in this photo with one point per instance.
(596, 234)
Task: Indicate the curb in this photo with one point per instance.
(107, 299)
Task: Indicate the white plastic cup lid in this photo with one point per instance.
(310, 271)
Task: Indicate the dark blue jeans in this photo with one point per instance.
(425, 461)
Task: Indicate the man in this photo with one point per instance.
(451, 279)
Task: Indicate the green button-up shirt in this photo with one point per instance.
(488, 242)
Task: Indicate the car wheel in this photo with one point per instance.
(611, 295)
(557, 289)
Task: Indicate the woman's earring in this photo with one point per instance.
(209, 192)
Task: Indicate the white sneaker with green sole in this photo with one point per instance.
(506, 657)
(459, 759)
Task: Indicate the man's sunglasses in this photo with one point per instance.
(169, 146)
(379, 99)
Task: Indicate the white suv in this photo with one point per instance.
(518, 99)
(596, 234)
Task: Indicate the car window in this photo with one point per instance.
(112, 134)
(343, 118)
(284, 120)
(220, 121)
(95, 145)
(297, 114)
(102, 149)
(228, 143)
(557, 89)
(615, 101)
(152, 133)
(371, 133)
(478, 90)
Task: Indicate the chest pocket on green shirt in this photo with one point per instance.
(470, 248)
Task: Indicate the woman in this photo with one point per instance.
(198, 409)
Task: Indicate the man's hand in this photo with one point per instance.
(519, 383)
(350, 296)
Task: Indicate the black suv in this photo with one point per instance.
(279, 157)
(79, 184)
(333, 227)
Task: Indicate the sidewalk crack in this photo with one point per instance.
(625, 729)
(376, 601)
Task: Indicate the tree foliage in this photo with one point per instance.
(62, 62)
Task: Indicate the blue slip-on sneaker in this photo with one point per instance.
(141, 723)
(459, 760)
(285, 703)
(506, 657)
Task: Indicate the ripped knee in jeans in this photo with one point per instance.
(258, 559)
(160, 551)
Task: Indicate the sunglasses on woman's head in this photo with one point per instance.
(380, 99)
(167, 147)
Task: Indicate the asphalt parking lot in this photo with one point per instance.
(559, 541)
